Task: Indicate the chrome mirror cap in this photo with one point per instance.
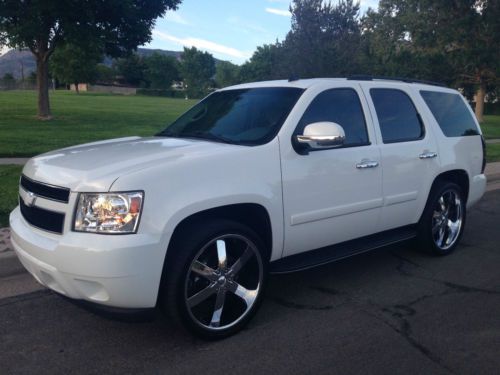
(322, 135)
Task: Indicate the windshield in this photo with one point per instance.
(244, 116)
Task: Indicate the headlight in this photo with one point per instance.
(108, 212)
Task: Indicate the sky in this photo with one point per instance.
(229, 29)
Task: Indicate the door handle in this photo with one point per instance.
(428, 155)
(367, 164)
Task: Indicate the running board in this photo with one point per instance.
(328, 254)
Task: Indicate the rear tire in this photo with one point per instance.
(443, 220)
(214, 280)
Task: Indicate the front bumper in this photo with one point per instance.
(112, 270)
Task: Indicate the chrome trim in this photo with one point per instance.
(365, 163)
(428, 155)
(447, 219)
(218, 278)
(322, 135)
(321, 141)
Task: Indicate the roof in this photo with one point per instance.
(307, 83)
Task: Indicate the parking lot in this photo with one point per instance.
(391, 311)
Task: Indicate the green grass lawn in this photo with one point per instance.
(492, 152)
(79, 118)
(491, 127)
(9, 175)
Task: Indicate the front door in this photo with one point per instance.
(334, 195)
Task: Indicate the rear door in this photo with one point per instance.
(409, 153)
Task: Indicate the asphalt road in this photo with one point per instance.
(394, 311)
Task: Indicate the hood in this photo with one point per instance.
(95, 166)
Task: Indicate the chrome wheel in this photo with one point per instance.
(223, 282)
(447, 219)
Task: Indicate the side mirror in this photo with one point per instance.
(321, 136)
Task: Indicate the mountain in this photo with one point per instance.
(17, 61)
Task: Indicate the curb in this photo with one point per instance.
(10, 265)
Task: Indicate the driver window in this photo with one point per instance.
(342, 106)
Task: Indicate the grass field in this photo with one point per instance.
(9, 175)
(492, 152)
(79, 119)
(491, 127)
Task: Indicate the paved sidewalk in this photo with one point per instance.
(494, 140)
(492, 171)
(18, 161)
(4, 240)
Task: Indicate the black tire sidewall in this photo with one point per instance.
(185, 248)
(425, 239)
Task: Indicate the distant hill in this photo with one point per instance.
(15, 61)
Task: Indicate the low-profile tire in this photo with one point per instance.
(443, 220)
(215, 278)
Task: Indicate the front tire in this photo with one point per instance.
(443, 220)
(215, 282)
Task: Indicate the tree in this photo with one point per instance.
(72, 64)
(8, 81)
(131, 69)
(161, 70)
(267, 62)
(456, 41)
(31, 78)
(42, 26)
(226, 74)
(324, 39)
(105, 74)
(197, 70)
(389, 50)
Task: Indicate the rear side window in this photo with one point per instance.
(342, 106)
(451, 113)
(399, 120)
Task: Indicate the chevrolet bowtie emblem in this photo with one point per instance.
(30, 199)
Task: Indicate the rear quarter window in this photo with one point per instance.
(451, 113)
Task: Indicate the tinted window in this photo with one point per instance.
(341, 106)
(244, 116)
(451, 113)
(397, 116)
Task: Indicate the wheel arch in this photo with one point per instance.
(253, 215)
(457, 176)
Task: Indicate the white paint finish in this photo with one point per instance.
(400, 198)
(326, 213)
(407, 178)
(477, 188)
(324, 191)
(235, 174)
(326, 198)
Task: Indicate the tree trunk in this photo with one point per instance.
(480, 95)
(42, 81)
(76, 88)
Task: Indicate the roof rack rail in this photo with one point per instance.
(365, 77)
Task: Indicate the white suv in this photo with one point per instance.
(263, 177)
